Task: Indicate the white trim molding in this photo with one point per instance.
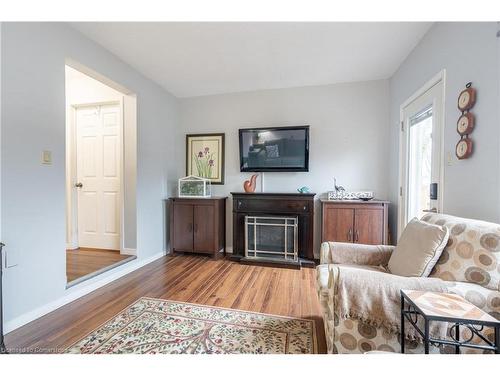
(72, 245)
(438, 79)
(78, 291)
(126, 251)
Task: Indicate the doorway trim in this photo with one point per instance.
(73, 240)
(130, 129)
(438, 79)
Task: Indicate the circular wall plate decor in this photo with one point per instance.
(465, 123)
(467, 98)
(464, 148)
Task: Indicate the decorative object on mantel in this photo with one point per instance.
(205, 156)
(194, 187)
(3, 349)
(350, 195)
(337, 188)
(341, 194)
(466, 121)
(365, 195)
(249, 185)
(304, 190)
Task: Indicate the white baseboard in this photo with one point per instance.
(71, 246)
(79, 291)
(126, 251)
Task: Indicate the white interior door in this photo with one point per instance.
(421, 153)
(98, 161)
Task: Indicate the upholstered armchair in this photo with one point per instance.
(469, 266)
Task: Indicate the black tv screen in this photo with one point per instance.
(284, 149)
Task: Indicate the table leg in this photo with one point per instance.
(497, 339)
(457, 337)
(426, 336)
(402, 325)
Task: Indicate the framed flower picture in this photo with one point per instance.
(205, 156)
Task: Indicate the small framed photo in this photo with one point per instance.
(205, 156)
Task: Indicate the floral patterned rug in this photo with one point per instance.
(160, 326)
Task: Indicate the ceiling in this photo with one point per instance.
(193, 59)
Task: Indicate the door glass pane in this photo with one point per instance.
(419, 163)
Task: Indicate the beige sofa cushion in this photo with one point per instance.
(473, 251)
(419, 248)
(355, 253)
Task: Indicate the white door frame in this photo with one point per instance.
(438, 79)
(73, 209)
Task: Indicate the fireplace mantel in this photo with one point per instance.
(275, 204)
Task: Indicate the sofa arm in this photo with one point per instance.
(351, 253)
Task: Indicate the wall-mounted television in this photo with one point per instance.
(274, 149)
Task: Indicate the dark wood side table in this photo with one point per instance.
(450, 308)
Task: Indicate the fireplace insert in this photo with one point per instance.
(270, 237)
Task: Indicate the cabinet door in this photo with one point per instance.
(369, 226)
(338, 224)
(204, 228)
(183, 227)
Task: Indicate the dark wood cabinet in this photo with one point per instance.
(182, 223)
(204, 228)
(355, 221)
(369, 225)
(198, 225)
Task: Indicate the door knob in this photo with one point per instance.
(79, 185)
(433, 209)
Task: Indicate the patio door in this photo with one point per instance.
(421, 153)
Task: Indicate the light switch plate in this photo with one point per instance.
(449, 158)
(47, 157)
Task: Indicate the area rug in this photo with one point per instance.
(161, 326)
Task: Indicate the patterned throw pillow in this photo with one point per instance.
(473, 251)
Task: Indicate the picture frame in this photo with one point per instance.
(205, 155)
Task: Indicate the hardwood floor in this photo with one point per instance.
(84, 261)
(195, 279)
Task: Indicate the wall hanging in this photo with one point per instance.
(205, 156)
(466, 121)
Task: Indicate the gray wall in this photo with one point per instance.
(33, 119)
(468, 52)
(349, 135)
